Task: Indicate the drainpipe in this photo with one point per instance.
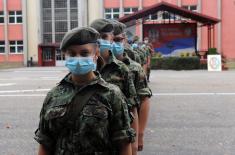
(199, 29)
(25, 37)
(6, 30)
(141, 24)
(179, 3)
(219, 10)
(121, 8)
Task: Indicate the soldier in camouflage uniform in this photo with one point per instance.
(83, 114)
(131, 53)
(113, 70)
(135, 46)
(139, 77)
(148, 49)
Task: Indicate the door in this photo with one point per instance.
(48, 56)
(60, 58)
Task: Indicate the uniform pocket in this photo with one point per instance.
(55, 112)
(58, 105)
(95, 111)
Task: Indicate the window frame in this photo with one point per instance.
(3, 46)
(15, 16)
(2, 16)
(112, 13)
(189, 7)
(16, 45)
(130, 10)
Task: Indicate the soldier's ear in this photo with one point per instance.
(97, 51)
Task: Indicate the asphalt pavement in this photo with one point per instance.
(192, 112)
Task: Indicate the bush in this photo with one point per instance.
(212, 51)
(176, 63)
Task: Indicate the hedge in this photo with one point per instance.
(176, 63)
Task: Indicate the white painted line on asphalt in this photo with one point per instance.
(7, 84)
(39, 71)
(24, 95)
(24, 91)
(19, 78)
(50, 77)
(31, 79)
(192, 94)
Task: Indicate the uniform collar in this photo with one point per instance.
(112, 58)
(126, 59)
(67, 80)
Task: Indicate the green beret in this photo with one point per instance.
(79, 36)
(118, 27)
(102, 25)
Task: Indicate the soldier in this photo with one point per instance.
(142, 89)
(113, 70)
(136, 47)
(131, 53)
(83, 114)
(149, 52)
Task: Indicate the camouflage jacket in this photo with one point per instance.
(116, 72)
(100, 128)
(139, 78)
(142, 54)
(132, 53)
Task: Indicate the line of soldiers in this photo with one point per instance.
(101, 107)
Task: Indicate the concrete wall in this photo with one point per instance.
(33, 28)
(95, 10)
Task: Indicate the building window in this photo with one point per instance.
(47, 21)
(111, 13)
(47, 54)
(60, 3)
(190, 7)
(16, 46)
(1, 17)
(2, 46)
(61, 19)
(60, 22)
(46, 3)
(73, 14)
(15, 17)
(128, 11)
(153, 17)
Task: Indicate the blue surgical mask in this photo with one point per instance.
(105, 45)
(118, 48)
(134, 46)
(80, 65)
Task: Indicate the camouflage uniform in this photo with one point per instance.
(132, 53)
(142, 55)
(99, 129)
(116, 72)
(139, 78)
(148, 54)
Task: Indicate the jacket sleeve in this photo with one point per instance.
(120, 121)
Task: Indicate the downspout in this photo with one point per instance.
(199, 29)
(6, 31)
(25, 37)
(219, 5)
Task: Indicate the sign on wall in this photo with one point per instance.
(214, 63)
(172, 39)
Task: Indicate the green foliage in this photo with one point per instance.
(212, 51)
(176, 63)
